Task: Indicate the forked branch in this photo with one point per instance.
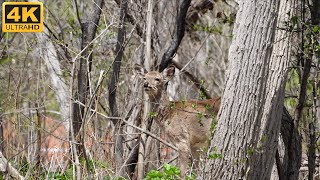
(178, 35)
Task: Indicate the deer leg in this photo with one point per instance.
(195, 157)
(184, 153)
(184, 160)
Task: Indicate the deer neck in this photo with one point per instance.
(159, 105)
(159, 101)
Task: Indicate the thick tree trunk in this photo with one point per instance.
(248, 129)
(289, 133)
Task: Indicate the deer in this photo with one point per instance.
(186, 123)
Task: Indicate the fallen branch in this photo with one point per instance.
(5, 166)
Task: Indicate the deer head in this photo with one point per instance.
(155, 82)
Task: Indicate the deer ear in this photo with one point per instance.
(168, 73)
(141, 71)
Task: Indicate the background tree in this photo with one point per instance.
(81, 107)
(118, 138)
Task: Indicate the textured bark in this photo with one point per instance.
(303, 89)
(118, 137)
(289, 131)
(315, 12)
(248, 128)
(148, 34)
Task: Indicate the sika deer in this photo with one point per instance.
(187, 123)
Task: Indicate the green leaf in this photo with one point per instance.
(152, 114)
(315, 29)
(153, 174)
(215, 156)
(170, 170)
(171, 105)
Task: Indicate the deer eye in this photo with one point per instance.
(157, 79)
(144, 78)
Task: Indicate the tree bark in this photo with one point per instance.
(315, 21)
(146, 104)
(88, 27)
(289, 131)
(292, 148)
(248, 128)
(118, 137)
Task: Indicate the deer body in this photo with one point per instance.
(186, 123)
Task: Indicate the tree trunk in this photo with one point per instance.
(312, 145)
(289, 132)
(88, 27)
(50, 57)
(118, 137)
(292, 148)
(146, 104)
(246, 136)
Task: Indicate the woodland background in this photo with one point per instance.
(71, 105)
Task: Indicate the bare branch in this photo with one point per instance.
(178, 35)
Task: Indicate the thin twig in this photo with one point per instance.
(171, 160)
(146, 132)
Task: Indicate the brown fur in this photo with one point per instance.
(187, 123)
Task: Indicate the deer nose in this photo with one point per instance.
(146, 85)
